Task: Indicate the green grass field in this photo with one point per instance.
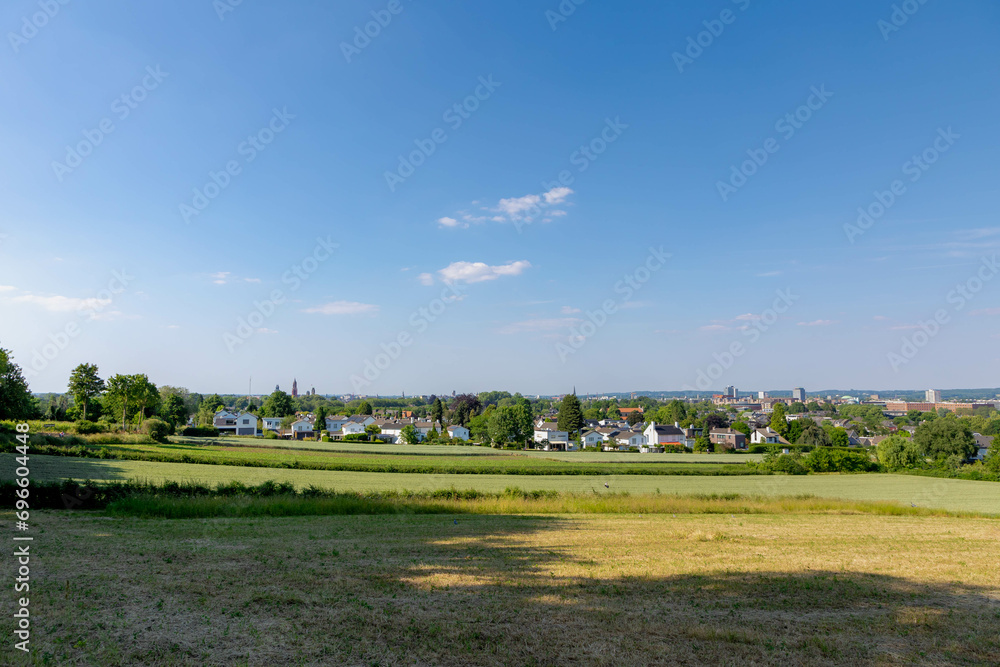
(929, 492)
(607, 590)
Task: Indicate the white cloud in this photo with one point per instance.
(540, 325)
(557, 195)
(62, 304)
(880, 318)
(747, 317)
(7, 288)
(477, 272)
(451, 222)
(769, 274)
(708, 328)
(252, 280)
(509, 209)
(569, 310)
(343, 308)
(265, 330)
(173, 326)
(220, 278)
(986, 311)
(426, 279)
(817, 323)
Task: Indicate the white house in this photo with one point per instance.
(592, 439)
(549, 432)
(224, 420)
(352, 428)
(271, 423)
(364, 420)
(335, 422)
(459, 432)
(246, 424)
(302, 428)
(767, 436)
(664, 434)
(630, 439)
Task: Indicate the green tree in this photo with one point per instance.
(525, 421)
(742, 427)
(409, 435)
(173, 410)
(794, 431)
(570, 415)
(838, 437)
(897, 453)
(702, 444)
(503, 426)
(633, 418)
(321, 420)
(813, 434)
(122, 391)
(613, 412)
(16, 401)
(365, 408)
(278, 404)
(85, 385)
(779, 422)
(147, 396)
(437, 411)
(944, 437)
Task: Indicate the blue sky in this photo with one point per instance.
(100, 261)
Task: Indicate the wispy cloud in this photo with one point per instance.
(220, 278)
(62, 304)
(769, 274)
(343, 308)
(525, 208)
(986, 311)
(818, 323)
(477, 272)
(569, 310)
(540, 325)
(426, 279)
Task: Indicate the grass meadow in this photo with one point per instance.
(927, 492)
(780, 588)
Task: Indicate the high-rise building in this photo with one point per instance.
(933, 396)
(732, 392)
(761, 394)
(295, 387)
(799, 394)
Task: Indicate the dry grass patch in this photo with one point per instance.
(778, 589)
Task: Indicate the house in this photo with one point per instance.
(423, 428)
(224, 420)
(549, 432)
(630, 439)
(592, 439)
(271, 423)
(767, 436)
(983, 443)
(364, 420)
(336, 422)
(625, 412)
(663, 434)
(301, 429)
(389, 431)
(246, 424)
(458, 432)
(727, 438)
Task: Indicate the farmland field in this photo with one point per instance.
(772, 589)
(907, 489)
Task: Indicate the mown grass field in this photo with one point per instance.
(498, 463)
(930, 492)
(772, 589)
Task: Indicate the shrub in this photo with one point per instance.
(356, 437)
(788, 464)
(85, 427)
(830, 460)
(201, 432)
(157, 429)
(898, 453)
(270, 435)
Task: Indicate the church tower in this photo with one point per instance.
(295, 387)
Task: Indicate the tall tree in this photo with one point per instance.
(365, 408)
(320, 424)
(147, 396)
(278, 404)
(944, 437)
(174, 410)
(570, 415)
(437, 411)
(525, 421)
(503, 426)
(779, 421)
(16, 401)
(121, 391)
(85, 385)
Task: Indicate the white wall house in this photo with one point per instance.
(592, 439)
(664, 434)
(246, 424)
(302, 426)
(459, 432)
(630, 439)
(352, 428)
(224, 420)
(271, 423)
(549, 432)
(767, 436)
(335, 422)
